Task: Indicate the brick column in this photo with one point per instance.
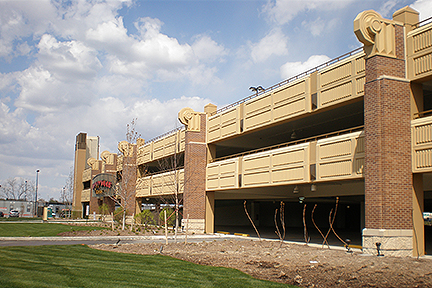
(388, 174)
(194, 196)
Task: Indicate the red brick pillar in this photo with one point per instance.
(194, 196)
(388, 174)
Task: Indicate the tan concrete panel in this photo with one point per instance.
(158, 148)
(335, 149)
(229, 122)
(181, 180)
(213, 128)
(421, 134)
(143, 187)
(257, 112)
(360, 82)
(182, 140)
(419, 50)
(275, 167)
(290, 108)
(87, 175)
(335, 169)
(341, 81)
(423, 160)
(340, 157)
(85, 195)
(288, 174)
(145, 153)
(335, 94)
(336, 73)
(223, 174)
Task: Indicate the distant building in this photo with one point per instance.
(25, 208)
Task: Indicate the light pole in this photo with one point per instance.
(37, 180)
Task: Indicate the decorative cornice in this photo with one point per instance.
(190, 118)
(376, 33)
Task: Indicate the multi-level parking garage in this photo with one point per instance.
(350, 140)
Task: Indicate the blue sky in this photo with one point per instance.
(92, 66)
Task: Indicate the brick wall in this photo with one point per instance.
(195, 172)
(388, 175)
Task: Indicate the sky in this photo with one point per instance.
(93, 66)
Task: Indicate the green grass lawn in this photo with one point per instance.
(38, 229)
(80, 266)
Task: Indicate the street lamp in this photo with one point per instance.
(37, 180)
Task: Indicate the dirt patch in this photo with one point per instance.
(295, 264)
(136, 231)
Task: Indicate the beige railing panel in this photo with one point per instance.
(119, 162)
(340, 157)
(229, 122)
(292, 101)
(143, 187)
(182, 140)
(421, 134)
(85, 195)
(285, 165)
(342, 81)
(213, 128)
(223, 174)
(158, 148)
(145, 153)
(87, 175)
(167, 183)
(181, 180)
(286, 102)
(164, 147)
(258, 112)
(419, 50)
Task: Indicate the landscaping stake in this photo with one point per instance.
(112, 221)
(187, 225)
(166, 228)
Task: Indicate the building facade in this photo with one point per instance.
(352, 137)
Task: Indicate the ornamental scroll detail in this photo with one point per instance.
(376, 33)
(190, 118)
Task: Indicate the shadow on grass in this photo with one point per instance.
(80, 266)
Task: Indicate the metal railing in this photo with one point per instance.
(423, 23)
(289, 80)
(291, 143)
(165, 134)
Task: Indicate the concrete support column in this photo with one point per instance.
(418, 222)
(388, 171)
(210, 205)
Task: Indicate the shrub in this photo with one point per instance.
(118, 215)
(170, 220)
(145, 217)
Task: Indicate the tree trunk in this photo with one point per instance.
(124, 219)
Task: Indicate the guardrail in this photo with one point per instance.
(289, 80)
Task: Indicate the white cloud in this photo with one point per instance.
(424, 7)
(68, 60)
(42, 92)
(291, 69)
(274, 43)
(207, 49)
(386, 10)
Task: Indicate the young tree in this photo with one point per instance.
(126, 186)
(66, 195)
